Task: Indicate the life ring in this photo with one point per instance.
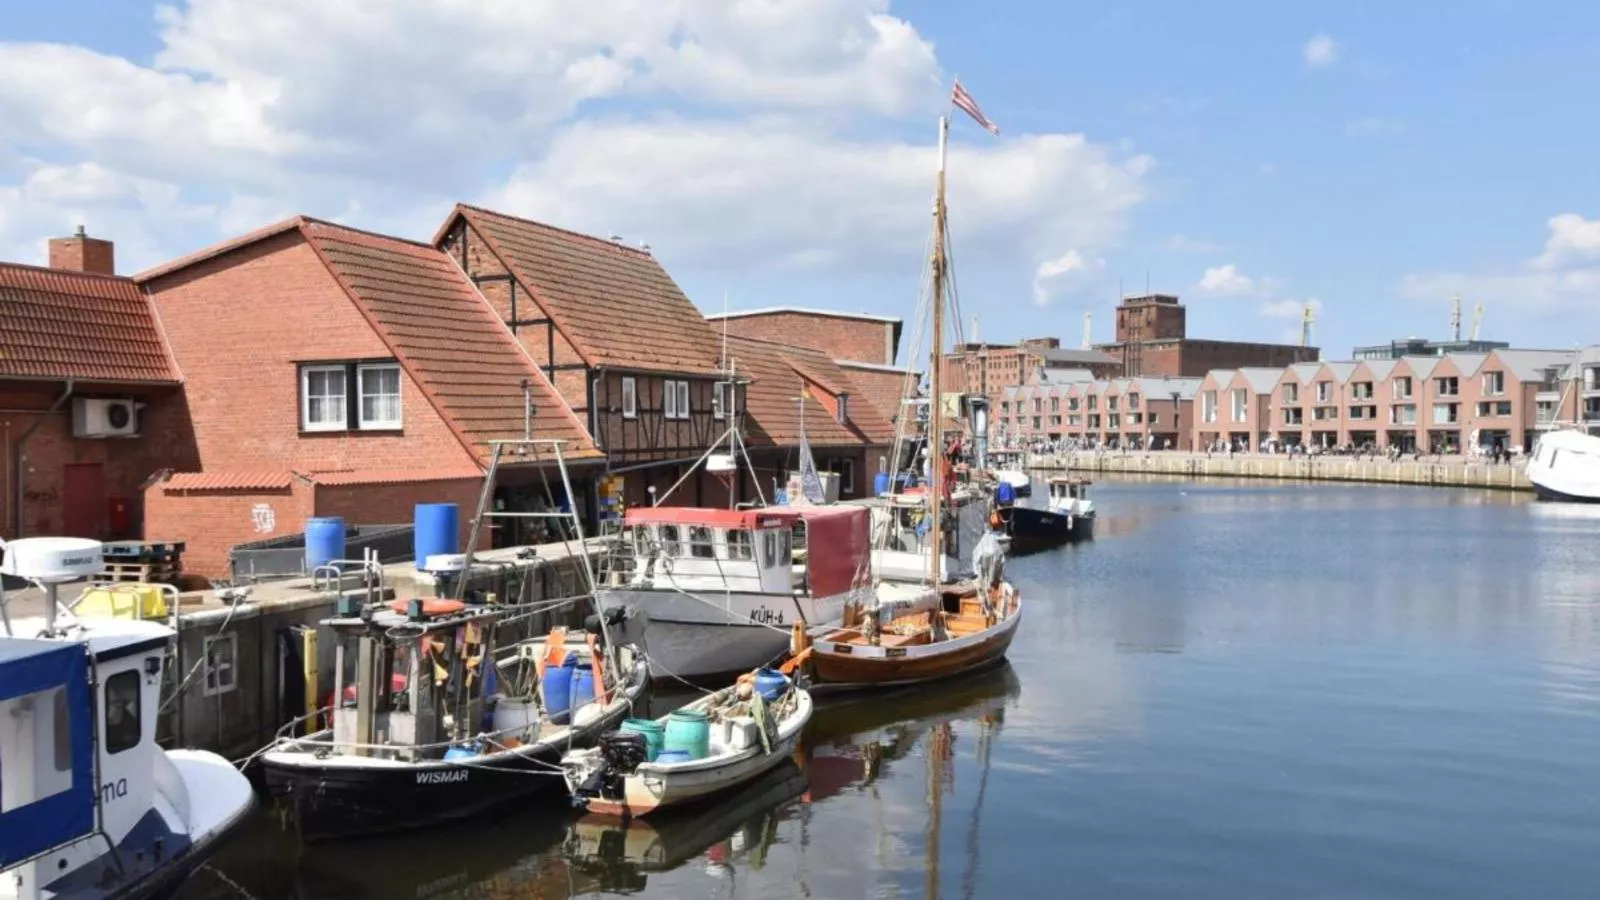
(430, 607)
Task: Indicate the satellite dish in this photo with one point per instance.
(53, 560)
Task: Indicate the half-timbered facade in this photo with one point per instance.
(626, 349)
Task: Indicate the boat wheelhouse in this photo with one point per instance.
(720, 589)
(901, 540)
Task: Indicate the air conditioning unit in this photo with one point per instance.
(96, 418)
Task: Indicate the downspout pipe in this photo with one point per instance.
(19, 458)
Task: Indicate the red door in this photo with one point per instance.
(83, 500)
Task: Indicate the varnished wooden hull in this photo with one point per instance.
(842, 666)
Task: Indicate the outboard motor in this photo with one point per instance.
(623, 752)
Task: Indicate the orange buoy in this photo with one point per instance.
(430, 607)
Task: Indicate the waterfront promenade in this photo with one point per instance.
(1445, 471)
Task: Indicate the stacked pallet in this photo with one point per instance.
(159, 562)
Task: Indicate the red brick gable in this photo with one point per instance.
(56, 325)
(772, 399)
(616, 304)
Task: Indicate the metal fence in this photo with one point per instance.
(285, 557)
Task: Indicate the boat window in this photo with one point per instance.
(1554, 455)
(781, 542)
(769, 549)
(700, 545)
(739, 544)
(26, 716)
(669, 540)
(122, 712)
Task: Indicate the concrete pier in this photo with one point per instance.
(1447, 472)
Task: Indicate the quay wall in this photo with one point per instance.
(1446, 473)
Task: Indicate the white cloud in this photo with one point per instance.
(765, 141)
(775, 192)
(1052, 274)
(1320, 51)
(1564, 279)
(1226, 281)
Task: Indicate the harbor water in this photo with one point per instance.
(1238, 690)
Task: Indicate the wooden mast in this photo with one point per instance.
(936, 380)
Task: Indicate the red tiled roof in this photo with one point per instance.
(234, 480)
(348, 477)
(816, 374)
(773, 407)
(56, 324)
(880, 386)
(617, 305)
(447, 337)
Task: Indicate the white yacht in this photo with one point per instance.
(93, 806)
(1565, 466)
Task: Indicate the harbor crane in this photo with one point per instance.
(1308, 317)
(1477, 321)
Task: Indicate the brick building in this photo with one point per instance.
(855, 337)
(330, 371)
(90, 402)
(1152, 339)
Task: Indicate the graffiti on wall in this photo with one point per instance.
(48, 495)
(263, 518)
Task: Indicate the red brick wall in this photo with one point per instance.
(165, 442)
(240, 323)
(840, 338)
(213, 522)
(395, 504)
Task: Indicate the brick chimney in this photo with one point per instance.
(81, 253)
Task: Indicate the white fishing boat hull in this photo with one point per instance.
(1565, 467)
(697, 637)
(654, 786)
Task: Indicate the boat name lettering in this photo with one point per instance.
(78, 561)
(764, 616)
(113, 790)
(768, 521)
(442, 776)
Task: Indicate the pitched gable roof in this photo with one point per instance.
(1304, 372)
(1467, 363)
(1261, 380)
(1380, 368)
(885, 386)
(1421, 366)
(771, 399)
(1530, 365)
(616, 304)
(1340, 371)
(447, 337)
(56, 324)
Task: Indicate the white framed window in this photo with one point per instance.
(221, 672)
(379, 388)
(324, 399)
(1208, 406)
(1241, 400)
(1324, 391)
(721, 399)
(630, 397)
(683, 399)
(1494, 383)
(669, 399)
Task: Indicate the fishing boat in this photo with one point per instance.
(907, 633)
(92, 806)
(1067, 517)
(718, 590)
(1021, 482)
(431, 723)
(711, 745)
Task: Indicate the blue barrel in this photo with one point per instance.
(688, 731)
(582, 686)
(558, 688)
(436, 531)
(324, 541)
(668, 757)
(771, 684)
(654, 735)
(880, 484)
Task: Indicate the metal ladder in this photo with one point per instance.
(530, 447)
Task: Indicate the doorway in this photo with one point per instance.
(83, 500)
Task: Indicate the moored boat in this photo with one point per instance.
(429, 724)
(93, 806)
(1565, 467)
(1067, 517)
(742, 732)
(720, 589)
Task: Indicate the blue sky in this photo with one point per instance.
(1371, 157)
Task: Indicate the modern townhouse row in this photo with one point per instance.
(1500, 399)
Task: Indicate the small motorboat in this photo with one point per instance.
(718, 742)
(1565, 467)
(423, 731)
(1068, 517)
(93, 807)
(1021, 484)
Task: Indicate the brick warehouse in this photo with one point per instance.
(1153, 340)
(90, 402)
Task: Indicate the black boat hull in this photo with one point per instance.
(1551, 495)
(1036, 530)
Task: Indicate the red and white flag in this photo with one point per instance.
(962, 99)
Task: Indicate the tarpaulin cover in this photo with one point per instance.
(28, 667)
(838, 547)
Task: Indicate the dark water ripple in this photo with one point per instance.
(1237, 691)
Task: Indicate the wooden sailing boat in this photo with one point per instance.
(915, 633)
